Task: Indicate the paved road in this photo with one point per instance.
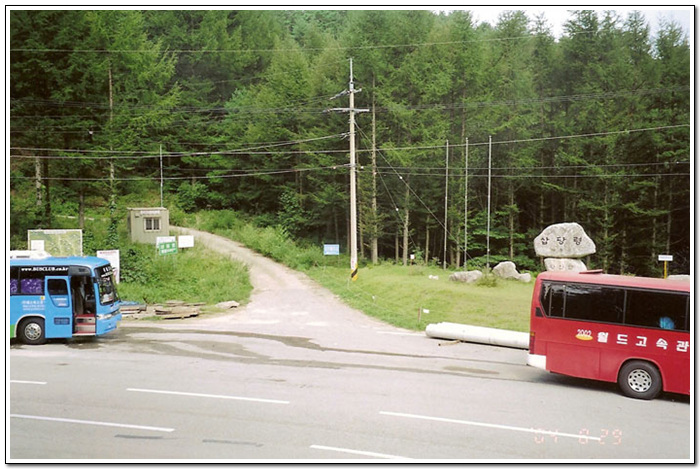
(298, 376)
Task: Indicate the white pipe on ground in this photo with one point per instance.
(480, 335)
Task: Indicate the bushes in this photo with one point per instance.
(273, 241)
(192, 275)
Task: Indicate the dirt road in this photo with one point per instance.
(287, 302)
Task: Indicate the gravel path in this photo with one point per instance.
(287, 302)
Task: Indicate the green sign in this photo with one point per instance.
(167, 248)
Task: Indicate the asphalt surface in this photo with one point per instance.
(298, 376)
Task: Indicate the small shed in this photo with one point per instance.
(146, 224)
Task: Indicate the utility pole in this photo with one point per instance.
(447, 168)
(353, 168)
(488, 214)
(161, 175)
(466, 189)
(375, 221)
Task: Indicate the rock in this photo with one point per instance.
(525, 278)
(228, 304)
(466, 277)
(564, 265)
(564, 240)
(507, 270)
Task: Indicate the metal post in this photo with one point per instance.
(488, 214)
(466, 188)
(447, 163)
(161, 176)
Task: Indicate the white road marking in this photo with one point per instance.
(214, 396)
(19, 381)
(91, 422)
(493, 425)
(353, 451)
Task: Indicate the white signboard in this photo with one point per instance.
(665, 258)
(185, 241)
(37, 245)
(112, 256)
(59, 243)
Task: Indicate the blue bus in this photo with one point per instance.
(62, 297)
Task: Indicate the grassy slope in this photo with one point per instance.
(191, 275)
(395, 294)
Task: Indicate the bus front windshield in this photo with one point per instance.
(106, 285)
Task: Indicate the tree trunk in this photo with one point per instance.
(427, 240)
(37, 176)
(405, 226)
(511, 223)
(81, 209)
(375, 220)
(47, 202)
(396, 245)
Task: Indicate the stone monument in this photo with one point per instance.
(563, 245)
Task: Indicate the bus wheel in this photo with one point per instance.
(640, 380)
(32, 331)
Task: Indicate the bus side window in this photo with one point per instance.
(57, 287)
(553, 299)
(31, 285)
(656, 309)
(58, 291)
(14, 280)
(595, 303)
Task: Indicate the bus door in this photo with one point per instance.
(59, 307)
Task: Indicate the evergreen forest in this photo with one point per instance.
(464, 131)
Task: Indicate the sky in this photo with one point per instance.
(557, 16)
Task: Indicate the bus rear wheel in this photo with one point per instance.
(32, 331)
(640, 380)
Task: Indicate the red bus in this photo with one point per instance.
(629, 330)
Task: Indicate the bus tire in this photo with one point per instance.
(32, 332)
(640, 380)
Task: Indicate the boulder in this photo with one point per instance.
(507, 270)
(525, 278)
(564, 265)
(466, 277)
(564, 240)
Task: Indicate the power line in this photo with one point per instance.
(242, 173)
(448, 106)
(145, 155)
(247, 150)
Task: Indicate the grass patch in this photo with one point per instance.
(191, 275)
(395, 294)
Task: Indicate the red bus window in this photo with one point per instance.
(656, 309)
(594, 303)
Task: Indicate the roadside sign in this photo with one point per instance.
(166, 245)
(331, 249)
(112, 256)
(665, 258)
(185, 241)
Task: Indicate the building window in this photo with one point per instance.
(151, 224)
